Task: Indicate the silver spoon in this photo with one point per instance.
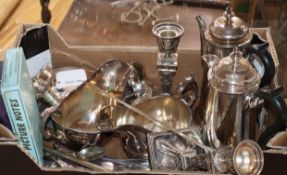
(77, 160)
(88, 154)
(91, 153)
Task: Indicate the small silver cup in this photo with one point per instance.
(246, 159)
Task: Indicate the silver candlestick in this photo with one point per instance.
(168, 35)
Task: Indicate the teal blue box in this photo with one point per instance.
(20, 102)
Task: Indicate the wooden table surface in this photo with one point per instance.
(17, 12)
(99, 26)
(98, 23)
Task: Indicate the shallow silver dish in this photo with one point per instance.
(167, 109)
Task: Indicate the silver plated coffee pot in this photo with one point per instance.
(232, 81)
(233, 92)
(224, 33)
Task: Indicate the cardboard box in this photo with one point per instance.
(14, 161)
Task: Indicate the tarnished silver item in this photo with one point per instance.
(45, 87)
(167, 150)
(168, 35)
(76, 120)
(43, 84)
(170, 152)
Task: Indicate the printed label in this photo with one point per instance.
(70, 78)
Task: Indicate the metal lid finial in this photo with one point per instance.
(228, 13)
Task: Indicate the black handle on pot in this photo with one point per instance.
(277, 102)
(260, 48)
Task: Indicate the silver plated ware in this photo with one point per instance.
(44, 83)
(167, 150)
(123, 164)
(86, 114)
(73, 159)
(170, 110)
(77, 112)
(45, 86)
(233, 94)
(170, 152)
(224, 34)
(168, 35)
(88, 154)
(231, 81)
(245, 159)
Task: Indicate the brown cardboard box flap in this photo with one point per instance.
(6, 134)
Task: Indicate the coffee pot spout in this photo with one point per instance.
(210, 60)
(202, 29)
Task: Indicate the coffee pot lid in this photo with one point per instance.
(234, 74)
(228, 27)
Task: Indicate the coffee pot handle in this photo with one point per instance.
(277, 102)
(187, 90)
(260, 48)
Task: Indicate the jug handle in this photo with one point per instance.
(260, 48)
(187, 91)
(276, 100)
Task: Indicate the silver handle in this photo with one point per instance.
(187, 90)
